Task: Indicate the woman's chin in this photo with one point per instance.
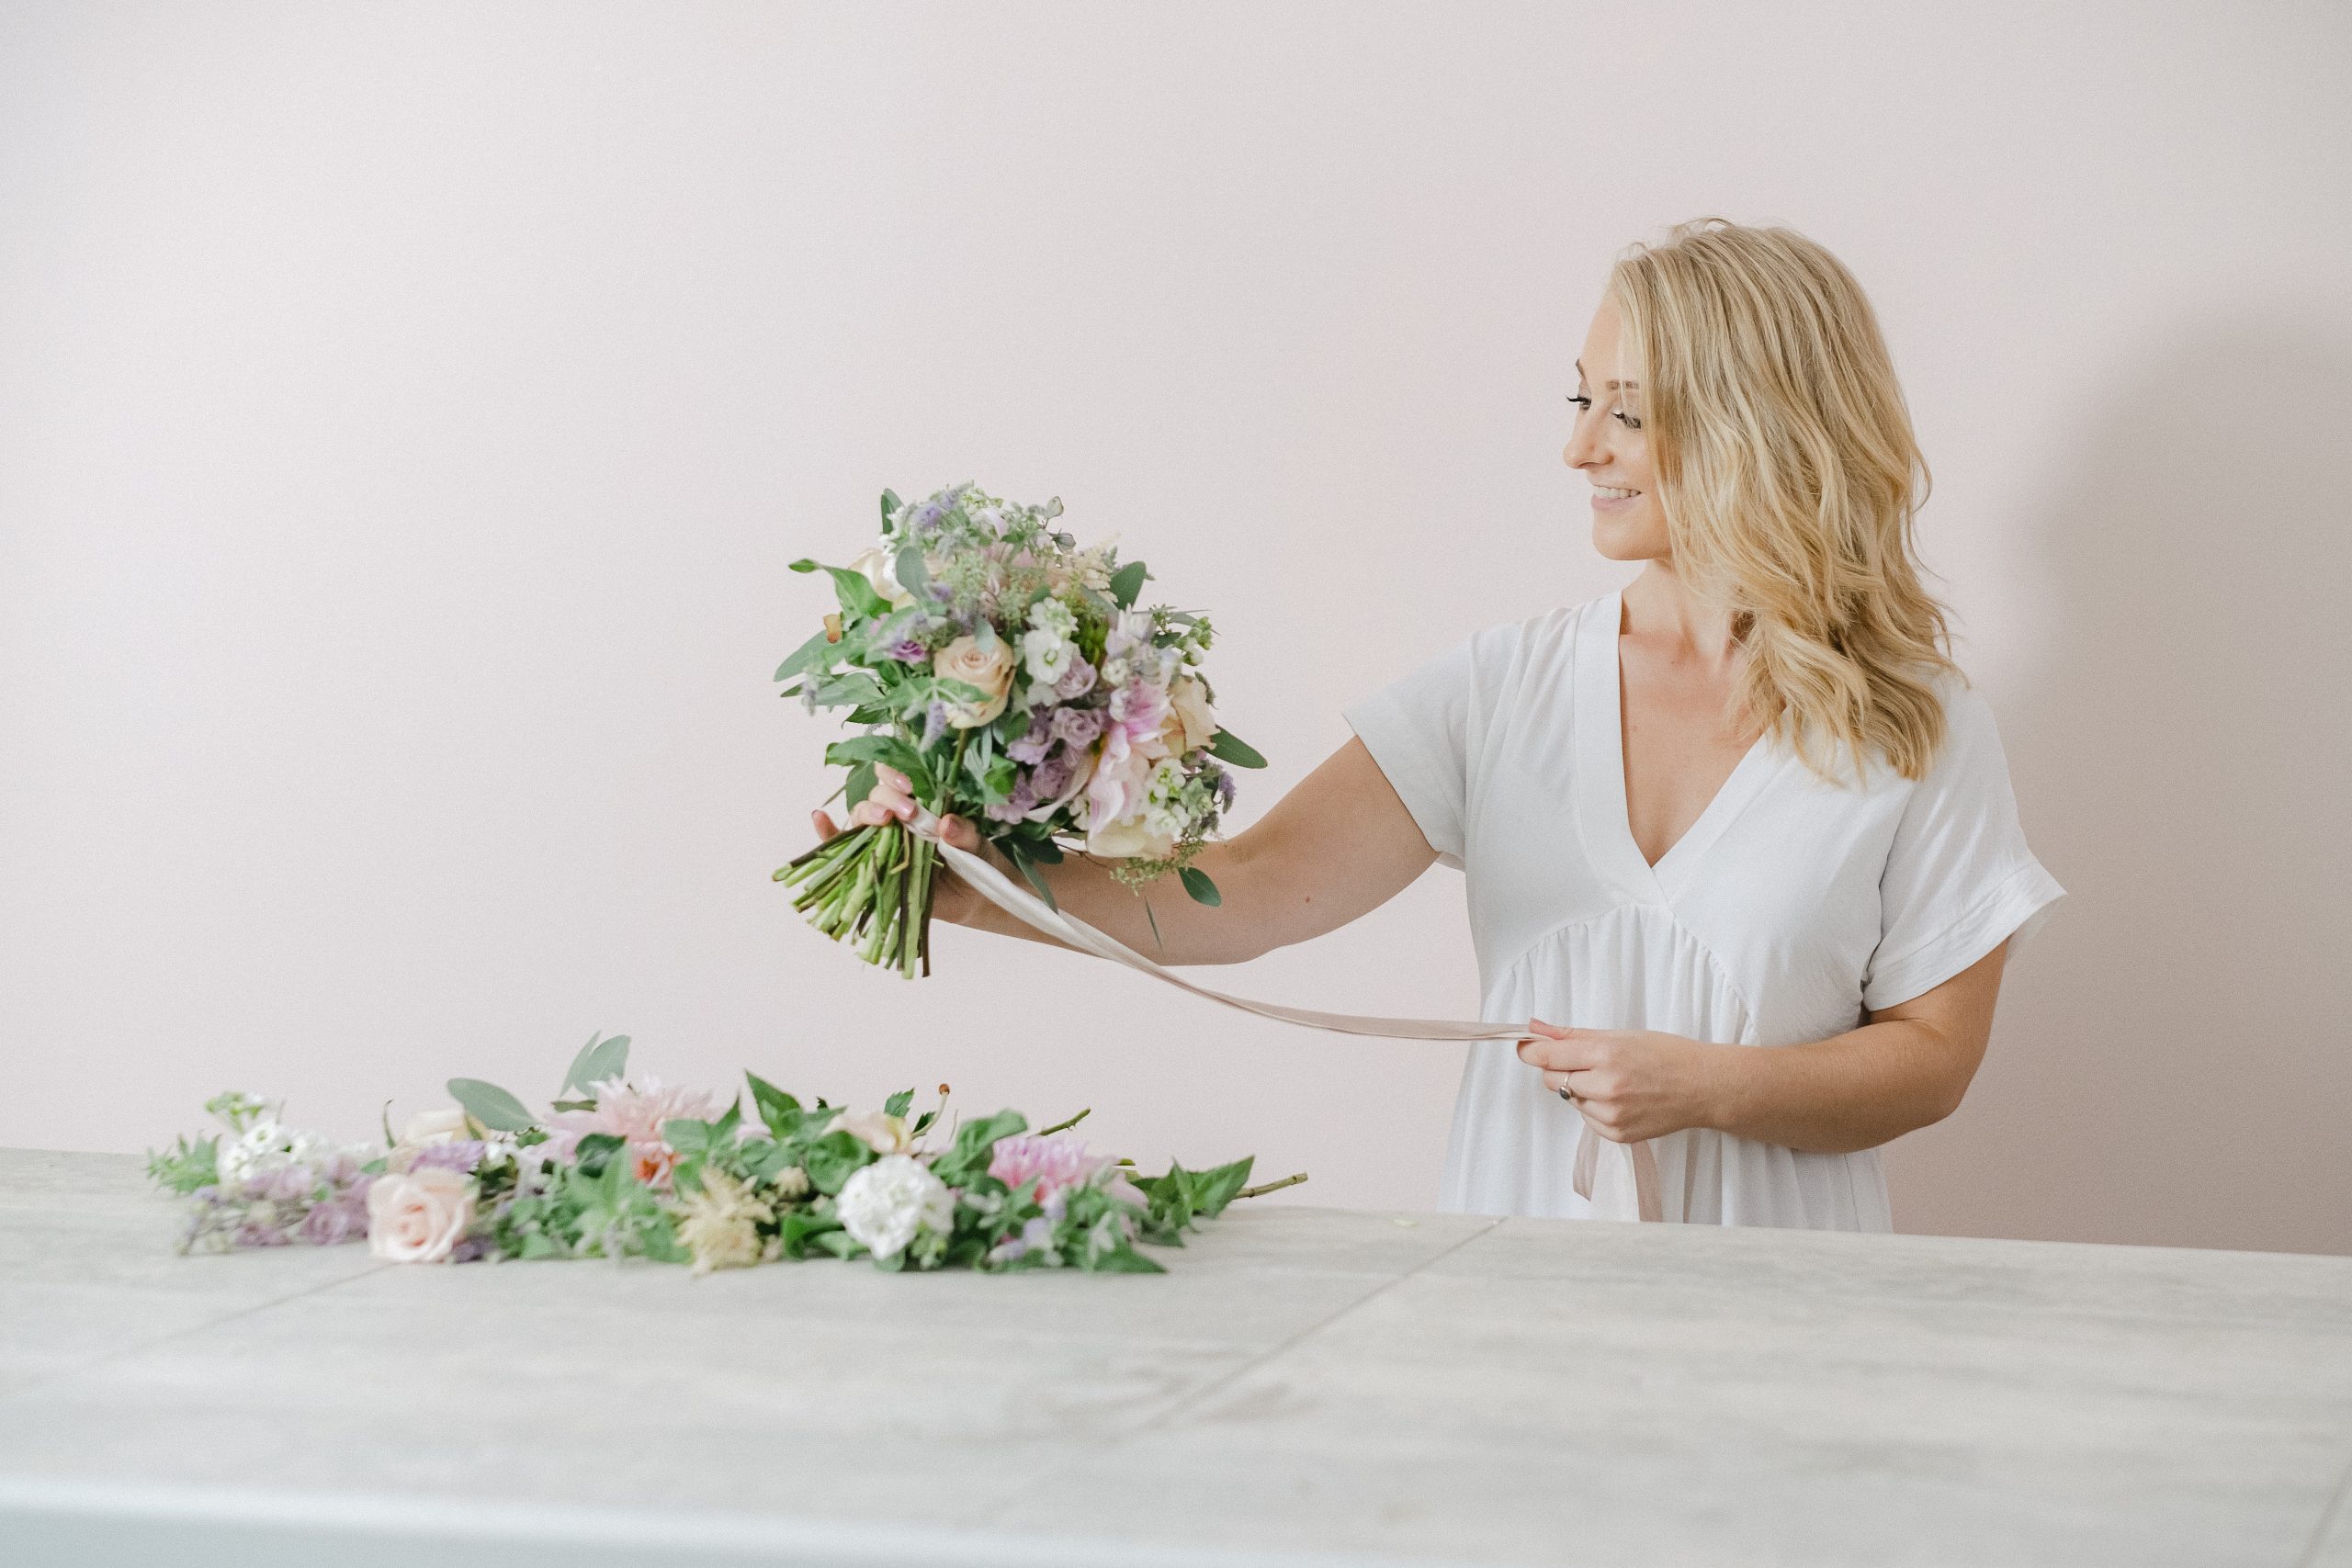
(1622, 541)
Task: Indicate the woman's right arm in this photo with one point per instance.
(1338, 845)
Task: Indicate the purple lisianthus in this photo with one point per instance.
(1076, 681)
(907, 651)
(454, 1154)
(1077, 726)
(1030, 749)
(1052, 775)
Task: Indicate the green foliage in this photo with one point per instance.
(185, 1166)
(1127, 583)
(491, 1105)
(1228, 746)
(599, 1059)
(1204, 891)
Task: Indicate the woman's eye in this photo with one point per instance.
(1579, 400)
(1630, 424)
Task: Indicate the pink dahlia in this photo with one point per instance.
(1055, 1165)
(635, 1113)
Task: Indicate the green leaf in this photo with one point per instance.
(911, 569)
(889, 504)
(1020, 859)
(1212, 1189)
(595, 1150)
(814, 654)
(856, 595)
(777, 1109)
(1127, 583)
(849, 690)
(687, 1135)
(600, 1058)
(832, 1159)
(1122, 1261)
(1204, 891)
(1043, 851)
(839, 1243)
(860, 785)
(897, 1104)
(1228, 746)
(900, 753)
(491, 1105)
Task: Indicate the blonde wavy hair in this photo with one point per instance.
(1789, 481)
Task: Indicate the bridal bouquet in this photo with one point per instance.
(623, 1166)
(1012, 678)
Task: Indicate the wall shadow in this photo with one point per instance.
(2172, 1063)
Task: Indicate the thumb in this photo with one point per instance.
(959, 831)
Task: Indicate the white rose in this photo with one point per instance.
(887, 1205)
(418, 1217)
(435, 1126)
(989, 669)
(879, 569)
(878, 1130)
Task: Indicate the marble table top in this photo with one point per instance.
(1307, 1386)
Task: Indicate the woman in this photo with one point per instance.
(1746, 801)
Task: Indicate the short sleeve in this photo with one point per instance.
(1423, 731)
(1959, 877)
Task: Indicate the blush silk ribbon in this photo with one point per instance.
(1024, 906)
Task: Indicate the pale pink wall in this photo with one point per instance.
(407, 412)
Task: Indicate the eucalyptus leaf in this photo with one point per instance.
(1127, 583)
(1204, 891)
(491, 1105)
(600, 1058)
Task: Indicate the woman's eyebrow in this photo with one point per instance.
(1580, 371)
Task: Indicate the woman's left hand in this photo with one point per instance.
(1630, 1084)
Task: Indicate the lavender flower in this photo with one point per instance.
(907, 651)
(1030, 749)
(456, 1154)
(935, 724)
(1078, 726)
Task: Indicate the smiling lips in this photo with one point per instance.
(1603, 495)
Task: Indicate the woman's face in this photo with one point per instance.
(1608, 444)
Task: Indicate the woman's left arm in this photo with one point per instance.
(1906, 1067)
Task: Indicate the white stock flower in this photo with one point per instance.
(1046, 656)
(266, 1147)
(887, 1205)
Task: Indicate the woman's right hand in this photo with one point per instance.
(893, 800)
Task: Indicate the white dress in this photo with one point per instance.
(1789, 908)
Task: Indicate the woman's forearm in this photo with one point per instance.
(1854, 1090)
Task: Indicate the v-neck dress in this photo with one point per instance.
(1789, 908)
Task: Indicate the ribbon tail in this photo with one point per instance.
(1645, 1188)
(1646, 1181)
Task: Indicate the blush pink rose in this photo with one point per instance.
(418, 1216)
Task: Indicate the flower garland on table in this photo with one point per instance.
(631, 1167)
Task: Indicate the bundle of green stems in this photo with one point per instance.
(870, 886)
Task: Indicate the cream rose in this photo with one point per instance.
(418, 1217)
(1121, 840)
(878, 1130)
(1192, 722)
(435, 1126)
(989, 669)
(877, 566)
